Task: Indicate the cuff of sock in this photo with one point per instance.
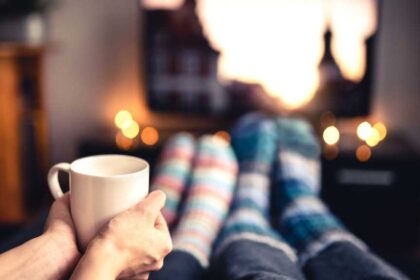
(325, 241)
(258, 238)
(201, 257)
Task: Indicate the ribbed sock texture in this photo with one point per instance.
(173, 173)
(254, 140)
(304, 220)
(207, 204)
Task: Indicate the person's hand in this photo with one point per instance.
(52, 255)
(60, 233)
(132, 244)
(59, 223)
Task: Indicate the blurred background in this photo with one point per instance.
(83, 78)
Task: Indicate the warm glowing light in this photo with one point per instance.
(123, 142)
(268, 41)
(130, 129)
(348, 45)
(331, 152)
(381, 128)
(122, 117)
(374, 138)
(126, 124)
(364, 131)
(223, 134)
(331, 135)
(149, 136)
(363, 153)
(162, 4)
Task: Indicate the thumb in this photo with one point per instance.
(160, 223)
(153, 203)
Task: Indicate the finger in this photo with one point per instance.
(60, 210)
(166, 240)
(61, 205)
(153, 203)
(139, 276)
(160, 223)
(65, 199)
(143, 276)
(155, 266)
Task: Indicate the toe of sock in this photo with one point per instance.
(297, 135)
(255, 139)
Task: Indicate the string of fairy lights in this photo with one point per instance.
(130, 134)
(369, 135)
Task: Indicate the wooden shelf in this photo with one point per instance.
(23, 143)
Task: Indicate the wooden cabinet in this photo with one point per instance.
(23, 146)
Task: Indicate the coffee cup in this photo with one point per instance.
(101, 187)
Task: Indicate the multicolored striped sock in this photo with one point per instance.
(208, 200)
(173, 172)
(254, 140)
(304, 220)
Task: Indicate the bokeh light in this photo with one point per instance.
(123, 142)
(149, 136)
(381, 128)
(122, 117)
(331, 135)
(223, 134)
(363, 153)
(374, 138)
(364, 130)
(130, 129)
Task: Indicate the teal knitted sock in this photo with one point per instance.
(304, 220)
(254, 140)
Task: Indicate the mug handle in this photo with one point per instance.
(53, 183)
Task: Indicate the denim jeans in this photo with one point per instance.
(246, 260)
(243, 260)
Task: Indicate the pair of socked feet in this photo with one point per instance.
(216, 194)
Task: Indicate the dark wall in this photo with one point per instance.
(397, 83)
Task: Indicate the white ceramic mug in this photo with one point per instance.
(100, 187)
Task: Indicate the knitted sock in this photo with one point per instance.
(173, 172)
(209, 198)
(254, 140)
(304, 220)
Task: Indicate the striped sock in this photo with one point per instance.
(304, 220)
(209, 198)
(254, 142)
(173, 172)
